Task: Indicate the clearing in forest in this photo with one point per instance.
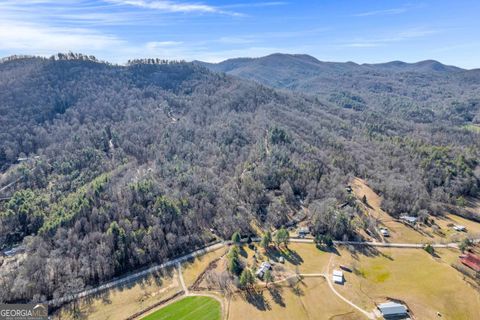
(399, 232)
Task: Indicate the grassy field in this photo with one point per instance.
(121, 302)
(428, 285)
(312, 299)
(473, 228)
(307, 258)
(189, 308)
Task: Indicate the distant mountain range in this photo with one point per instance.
(302, 62)
(415, 91)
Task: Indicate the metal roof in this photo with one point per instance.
(392, 308)
(409, 218)
(338, 273)
(337, 279)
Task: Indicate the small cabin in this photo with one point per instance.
(459, 228)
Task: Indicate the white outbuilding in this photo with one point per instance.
(337, 276)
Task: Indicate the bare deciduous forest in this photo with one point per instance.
(118, 167)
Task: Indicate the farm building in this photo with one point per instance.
(472, 261)
(391, 310)
(337, 276)
(409, 219)
(302, 232)
(261, 270)
(459, 228)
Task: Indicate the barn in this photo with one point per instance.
(472, 261)
(390, 310)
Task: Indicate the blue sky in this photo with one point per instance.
(212, 30)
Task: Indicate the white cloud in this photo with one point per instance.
(381, 12)
(396, 37)
(173, 6)
(256, 4)
(162, 44)
(28, 38)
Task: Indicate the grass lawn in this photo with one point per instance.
(312, 299)
(189, 308)
(425, 283)
(307, 258)
(119, 303)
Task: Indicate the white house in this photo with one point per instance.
(261, 270)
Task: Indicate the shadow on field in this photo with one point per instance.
(327, 249)
(257, 299)
(276, 293)
(368, 251)
(289, 255)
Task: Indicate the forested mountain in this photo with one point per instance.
(422, 92)
(111, 168)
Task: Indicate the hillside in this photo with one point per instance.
(422, 92)
(112, 168)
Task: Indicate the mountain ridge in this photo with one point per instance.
(423, 65)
